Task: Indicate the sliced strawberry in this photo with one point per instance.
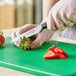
(51, 49)
(53, 46)
(64, 53)
(59, 55)
(58, 50)
(54, 52)
(49, 54)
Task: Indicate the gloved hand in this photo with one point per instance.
(62, 15)
(41, 37)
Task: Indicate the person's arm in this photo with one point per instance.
(47, 5)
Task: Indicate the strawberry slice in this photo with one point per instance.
(60, 50)
(61, 56)
(54, 52)
(64, 53)
(49, 54)
(51, 49)
(53, 46)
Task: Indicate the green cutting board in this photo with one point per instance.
(32, 61)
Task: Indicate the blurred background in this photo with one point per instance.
(16, 13)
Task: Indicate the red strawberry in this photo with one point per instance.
(60, 50)
(65, 54)
(59, 55)
(54, 52)
(2, 39)
(24, 43)
(53, 46)
(51, 49)
(49, 54)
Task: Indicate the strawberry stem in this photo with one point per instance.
(1, 40)
(24, 43)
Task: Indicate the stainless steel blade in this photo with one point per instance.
(32, 32)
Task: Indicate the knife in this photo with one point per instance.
(32, 32)
(67, 33)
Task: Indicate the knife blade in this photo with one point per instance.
(32, 32)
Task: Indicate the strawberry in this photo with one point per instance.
(49, 54)
(2, 39)
(52, 48)
(24, 43)
(60, 50)
(61, 56)
(54, 52)
(65, 54)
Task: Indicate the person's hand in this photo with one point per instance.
(41, 37)
(62, 15)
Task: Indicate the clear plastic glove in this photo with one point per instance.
(41, 37)
(62, 15)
